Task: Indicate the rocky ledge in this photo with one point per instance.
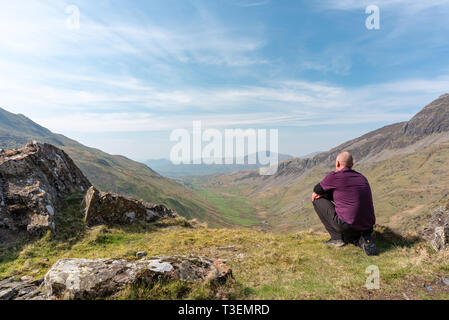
(21, 290)
(84, 279)
(110, 208)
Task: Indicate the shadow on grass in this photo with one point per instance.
(181, 290)
(386, 239)
(70, 229)
(12, 244)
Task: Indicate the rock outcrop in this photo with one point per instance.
(91, 279)
(32, 181)
(109, 208)
(21, 290)
(437, 230)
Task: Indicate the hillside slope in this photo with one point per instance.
(111, 173)
(265, 265)
(405, 163)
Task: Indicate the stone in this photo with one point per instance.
(33, 294)
(26, 278)
(223, 272)
(437, 229)
(445, 281)
(92, 279)
(109, 208)
(18, 290)
(6, 281)
(8, 294)
(33, 180)
(141, 254)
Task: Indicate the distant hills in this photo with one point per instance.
(406, 164)
(167, 168)
(111, 173)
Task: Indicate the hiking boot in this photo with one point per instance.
(368, 246)
(335, 243)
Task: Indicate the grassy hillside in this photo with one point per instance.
(112, 173)
(265, 265)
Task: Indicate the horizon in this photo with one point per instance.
(129, 74)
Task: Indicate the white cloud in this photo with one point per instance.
(287, 103)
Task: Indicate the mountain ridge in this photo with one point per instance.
(393, 136)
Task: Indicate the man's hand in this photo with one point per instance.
(316, 196)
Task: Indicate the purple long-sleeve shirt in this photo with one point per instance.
(353, 198)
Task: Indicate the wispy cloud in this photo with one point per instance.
(405, 5)
(250, 3)
(286, 103)
(41, 30)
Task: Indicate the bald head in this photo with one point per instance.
(344, 160)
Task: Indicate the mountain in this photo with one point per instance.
(405, 163)
(111, 173)
(167, 168)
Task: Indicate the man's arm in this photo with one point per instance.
(318, 192)
(328, 182)
(319, 189)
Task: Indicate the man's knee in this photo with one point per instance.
(319, 204)
(322, 201)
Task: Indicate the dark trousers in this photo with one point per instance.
(338, 229)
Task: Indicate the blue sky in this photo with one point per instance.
(135, 70)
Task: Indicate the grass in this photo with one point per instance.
(233, 208)
(265, 265)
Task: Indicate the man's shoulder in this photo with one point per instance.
(360, 175)
(330, 174)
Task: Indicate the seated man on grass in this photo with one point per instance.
(344, 204)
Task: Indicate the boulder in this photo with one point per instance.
(91, 279)
(437, 229)
(109, 208)
(32, 181)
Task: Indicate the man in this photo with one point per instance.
(344, 204)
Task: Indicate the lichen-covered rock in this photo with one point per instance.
(32, 181)
(110, 208)
(91, 279)
(437, 230)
